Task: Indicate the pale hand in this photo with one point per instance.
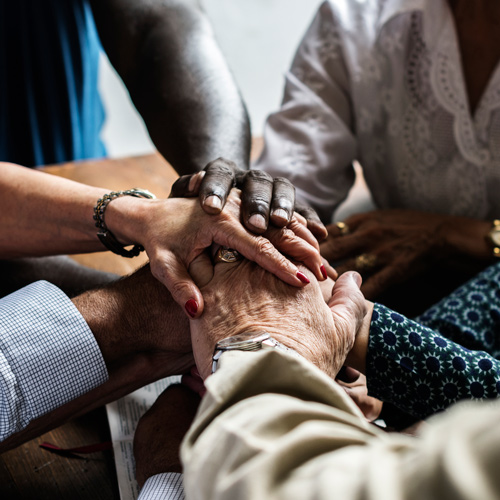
(185, 231)
(243, 297)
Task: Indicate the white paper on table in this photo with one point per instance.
(123, 416)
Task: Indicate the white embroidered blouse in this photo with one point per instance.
(381, 82)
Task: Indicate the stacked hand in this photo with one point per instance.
(243, 297)
(186, 231)
(264, 198)
(389, 246)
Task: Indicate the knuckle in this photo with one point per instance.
(178, 287)
(281, 236)
(264, 248)
(259, 176)
(221, 165)
(284, 181)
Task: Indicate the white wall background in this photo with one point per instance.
(258, 38)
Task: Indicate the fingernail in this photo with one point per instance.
(195, 179)
(258, 220)
(323, 272)
(302, 277)
(191, 307)
(214, 202)
(281, 214)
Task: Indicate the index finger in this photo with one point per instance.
(313, 221)
(216, 185)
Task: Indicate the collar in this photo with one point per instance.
(435, 14)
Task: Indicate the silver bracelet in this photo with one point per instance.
(108, 239)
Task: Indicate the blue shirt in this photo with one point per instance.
(50, 108)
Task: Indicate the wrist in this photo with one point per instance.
(128, 316)
(125, 218)
(466, 236)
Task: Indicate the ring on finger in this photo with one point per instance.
(228, 255)
(343, 228)
(365, 262)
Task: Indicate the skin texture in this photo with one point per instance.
(358, 392)
(404, 243)
(242, 297)
(174, 410)
(265, 200)
(479, 40)
(57, 219)
(165, 52)
(189, 231)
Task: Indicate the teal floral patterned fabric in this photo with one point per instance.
(449, 353)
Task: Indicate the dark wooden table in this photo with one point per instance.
(29, 472)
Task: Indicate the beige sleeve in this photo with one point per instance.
(273, 426)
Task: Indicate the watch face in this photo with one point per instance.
(242, 340)
(495, 236)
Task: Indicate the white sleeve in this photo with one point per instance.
(310, 139)
(48, 355)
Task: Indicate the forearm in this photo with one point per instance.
(166, 54)
(109, 342)
(43, 214)
(320, 444)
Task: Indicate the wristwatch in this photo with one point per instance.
(248, 341)
(494, 238)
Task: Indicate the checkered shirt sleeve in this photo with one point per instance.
(167, 486)
(48, 355)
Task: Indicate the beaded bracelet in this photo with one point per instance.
(107, 238)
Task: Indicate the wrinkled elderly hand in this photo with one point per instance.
(242, 297)
(389, 246)
(186, 231)
(264, 198)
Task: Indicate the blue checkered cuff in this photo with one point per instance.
(48, 355)
(167, 486)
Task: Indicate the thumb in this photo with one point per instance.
(202, 269)
(347, 301)
(172, 272)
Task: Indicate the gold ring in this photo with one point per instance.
(343, 228)
(365, 262)
(228, 255)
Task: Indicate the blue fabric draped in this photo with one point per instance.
(50, 108)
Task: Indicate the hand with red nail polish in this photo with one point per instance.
(186, 231)
(242, 297)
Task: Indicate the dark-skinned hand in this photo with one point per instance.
(264, 198)
(160, 432)
(399, 244)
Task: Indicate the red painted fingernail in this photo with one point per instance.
(323, 272)
(302, 277)
(191, 307)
